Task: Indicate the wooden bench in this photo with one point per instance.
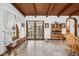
(11, 48)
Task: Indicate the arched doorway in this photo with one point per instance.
(71, 26)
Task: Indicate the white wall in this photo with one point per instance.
(7, 19)
(2, 48)
(51, 19)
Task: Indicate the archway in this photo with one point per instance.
(71, 26)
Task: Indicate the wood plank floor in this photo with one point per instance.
(42, 48)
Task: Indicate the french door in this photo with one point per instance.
(35, 29)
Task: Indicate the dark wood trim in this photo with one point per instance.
(71, 14)
(65, 8)
(14, 4)
(43, 30)
(48, 9)
(35, 9)
(26, 29)
(35, 30)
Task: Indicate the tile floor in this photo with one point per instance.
(42, 48)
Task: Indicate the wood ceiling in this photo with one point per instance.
(48, 9)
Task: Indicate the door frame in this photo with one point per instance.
(75, 25)
(34, 28)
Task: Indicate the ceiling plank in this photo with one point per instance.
(35, 9)
(14, 4)
(65, 8)
(48, 9)
(71, 14)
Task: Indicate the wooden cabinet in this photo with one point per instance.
(56, 31)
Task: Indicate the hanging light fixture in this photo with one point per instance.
(14, 27)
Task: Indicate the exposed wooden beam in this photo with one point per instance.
(52, 8)
(35, 9)
(48, 9)
(71, 14)
(65, 8)
(14, 4)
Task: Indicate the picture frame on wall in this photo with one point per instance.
(46, 25)
(63, 25)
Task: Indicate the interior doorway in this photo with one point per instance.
(35, 30)
(71, 26)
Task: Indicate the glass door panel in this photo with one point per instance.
(39, 30)
(31, 30)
